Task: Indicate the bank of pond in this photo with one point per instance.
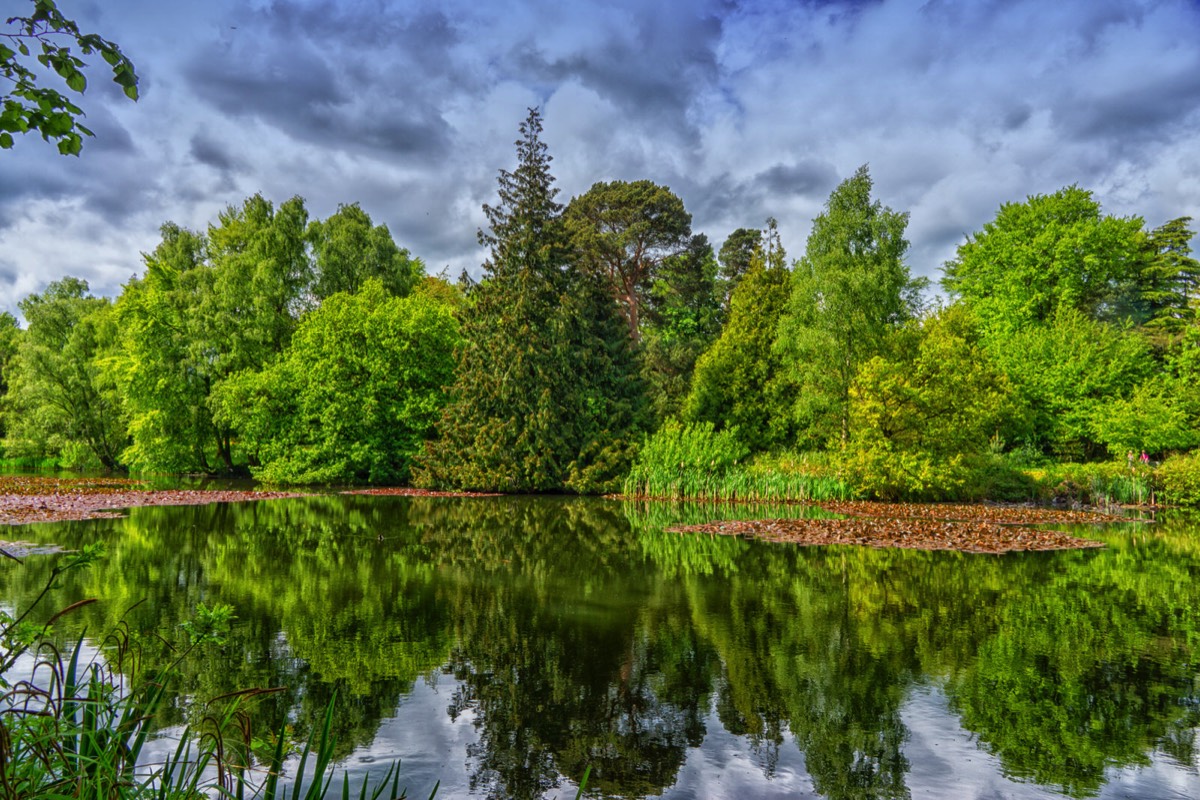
(503, 645)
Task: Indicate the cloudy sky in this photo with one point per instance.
(745, 109)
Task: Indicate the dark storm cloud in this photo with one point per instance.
(342, 77)
(1150, 111)
(212, 153)
(653, 69)
(9, 272)
(732, 202)
(809, 178)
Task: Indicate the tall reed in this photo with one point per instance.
(78, 728)
(694, 462)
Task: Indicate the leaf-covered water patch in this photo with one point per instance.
(397, 491)
(971, 512)
(28, 499)
(915, 534)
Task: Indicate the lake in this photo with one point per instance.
(502, 645)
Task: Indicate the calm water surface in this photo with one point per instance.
(502, 645)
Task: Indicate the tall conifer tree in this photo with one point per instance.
(546, 394)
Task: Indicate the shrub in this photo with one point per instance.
(1180, 479)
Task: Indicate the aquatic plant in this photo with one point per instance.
(78, 727)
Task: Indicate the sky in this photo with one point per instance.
(744, 109)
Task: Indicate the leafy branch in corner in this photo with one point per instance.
(30, 107)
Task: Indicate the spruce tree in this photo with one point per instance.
(545, 395)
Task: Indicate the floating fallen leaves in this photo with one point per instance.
(405, 492)
(974, 512)
(917, 534)
(28, 499)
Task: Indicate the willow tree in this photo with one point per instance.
(61, 400)
(546, 394)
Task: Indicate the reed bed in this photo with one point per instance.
(694, 462)
(77, 727)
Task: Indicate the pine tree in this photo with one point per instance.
(546, 395)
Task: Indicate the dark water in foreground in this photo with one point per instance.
(501, 645)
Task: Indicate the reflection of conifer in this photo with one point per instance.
(545, 394)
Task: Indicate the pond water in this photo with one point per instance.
(502, 645)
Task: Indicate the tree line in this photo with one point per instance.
(318, 351)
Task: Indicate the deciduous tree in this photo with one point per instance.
(355, 393)
(1049, 254)
(60, 392)
(849, 291)
(348, 250)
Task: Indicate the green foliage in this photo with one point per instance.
(735, 382)
(917, 413)
(546, 395)
(1151, 419)
(623, 232)
(221, 306)
(1065, 375)
(1098, 483)
(354, 395)
(1162, 292)
(31, 106)
(683, 321)
(1180, 479)
(849, 291)
(736, 254)
(1049, 256)
(696, 462)
(678, 455)
(166, 366)
(348, 250)
(62, 398)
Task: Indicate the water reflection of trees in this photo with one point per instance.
(583, 635)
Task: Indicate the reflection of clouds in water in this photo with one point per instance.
(431, 747)
(947, 761)
(727, 766)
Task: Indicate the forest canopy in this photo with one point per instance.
(320, 351)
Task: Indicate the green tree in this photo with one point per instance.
(546, 393)
(164, 369)
(1050, 254)
(683, 320)
(919, 410)
(736, 253)
(355, 393)
(849, 292)
(60, 395)
(348, 250)
(1066, 373)
(1165, 286)
(208, 308)
(29, 107)
(736, 380)
(624, 232)
(10, 333)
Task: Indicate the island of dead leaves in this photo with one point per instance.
(966, 528)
